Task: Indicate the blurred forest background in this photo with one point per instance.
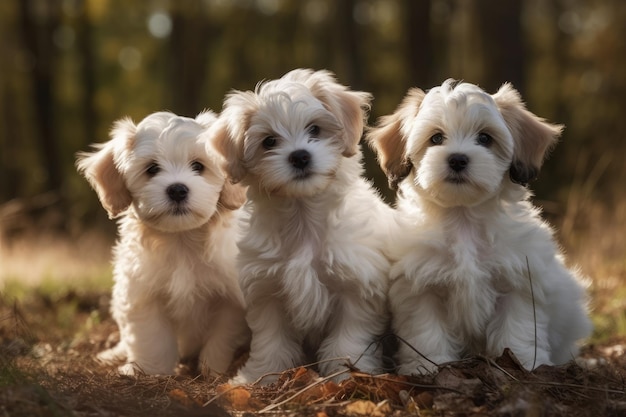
(69, 68)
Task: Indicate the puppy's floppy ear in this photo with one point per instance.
(232, 196)
(388, 138)
(533, 137)
(228, 133)
(100, 168)
(350, 107)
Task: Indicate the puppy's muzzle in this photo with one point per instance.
(300, 159)
(177, 192)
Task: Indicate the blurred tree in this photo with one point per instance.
(86, 46)
(10, 138)
(190, 44)
(71, 67)
(419, 45)
(465, 49)
(503, 57)
(38, 20)
(347, 53)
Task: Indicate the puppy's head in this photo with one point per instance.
(161, 167)
(288, 137)
(460, 145)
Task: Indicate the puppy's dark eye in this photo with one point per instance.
(197, 167)
(436, 139)
(153, 169)
(314, 130)
(484, 139)
(269, 142)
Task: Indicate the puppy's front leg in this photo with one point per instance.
(274, 347)
(519, 328)
(151, 342)
(419, 319)
(352, 336)
(228, 333)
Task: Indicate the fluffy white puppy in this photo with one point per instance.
(176, 292)
(478, 270)
(312, 264)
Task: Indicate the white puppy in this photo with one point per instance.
(312, 265)
(478, 270)
(176, 292)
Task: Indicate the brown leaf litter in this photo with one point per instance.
(45, 372)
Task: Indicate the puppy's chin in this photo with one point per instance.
(157, 211)
(175, 219)
(448, 194)
(300, 187)
(443, 186)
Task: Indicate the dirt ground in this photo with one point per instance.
(47, 349)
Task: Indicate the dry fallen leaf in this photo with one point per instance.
(303, 377)
(454, 379)
(318, 393)
(237, 398)
(367, 408)
(424, 399)
(181, 397)
(377, 387)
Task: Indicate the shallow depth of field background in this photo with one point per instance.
(69, 68)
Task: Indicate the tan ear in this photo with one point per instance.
(350, 107)
(228, 133)
(232, 196)
(100, 169)
(533, 137)
(228, 147)
(388, 138)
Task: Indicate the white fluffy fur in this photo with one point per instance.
(176, 292)
(312, 264)
(475, 254)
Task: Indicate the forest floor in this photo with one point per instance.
(54, 318)
(47, 368)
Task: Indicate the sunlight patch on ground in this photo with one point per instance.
(33, 261)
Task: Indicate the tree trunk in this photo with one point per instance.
(419, 50)
(86, 49)
(38, 21)
(348, 57)
(189, 43)
(504, 50)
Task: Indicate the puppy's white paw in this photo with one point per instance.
(130, 369)
(242, 379)
(238, 380)
(111, 356)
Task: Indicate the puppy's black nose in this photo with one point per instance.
(177, 192)
(458, 162)
(300, 158)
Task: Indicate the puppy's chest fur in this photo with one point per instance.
(470, 264)
(307, 253)
(311, 233)
(175, 269)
